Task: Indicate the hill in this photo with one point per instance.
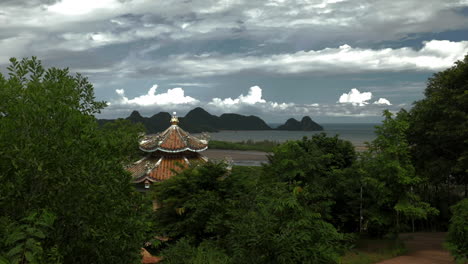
(306, 124)
(196, 121)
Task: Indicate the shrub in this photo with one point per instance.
(457, 240)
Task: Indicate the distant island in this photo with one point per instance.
(306, 124)
(199, 120)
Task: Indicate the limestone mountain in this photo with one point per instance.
(196, 121)
(306, 124)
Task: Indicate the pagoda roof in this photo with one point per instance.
(173, 140)
(160, 168)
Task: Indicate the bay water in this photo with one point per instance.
(357, 133)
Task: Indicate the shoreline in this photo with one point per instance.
(246, 157)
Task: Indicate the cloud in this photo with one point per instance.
(356, 105)
(355, 97)
(294, 23)
(382, 101)
(254, 96)
(434, 55)
(72, 7)
(253, 101)
(352, 104)
(173, 96)
(193, 84)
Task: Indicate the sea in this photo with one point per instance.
(357, 133)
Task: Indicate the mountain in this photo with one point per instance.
(157, 122)
(306, 124)
(199, 120)
(196, 121)
(240, 122)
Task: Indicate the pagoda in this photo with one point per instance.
(168, 153)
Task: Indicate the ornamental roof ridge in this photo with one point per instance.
(173, 140)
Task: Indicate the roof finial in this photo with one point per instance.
(174, 119)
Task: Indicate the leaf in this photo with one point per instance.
(29, 257)
(15, 251)
(14, 237)
(37, 233)
(3, 260)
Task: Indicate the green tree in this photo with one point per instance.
(390, 180)
(54, 157)
(438, 134)
(277, 227)
(212, 216)
(122, 139)
(321, 167)
(23, 240)
(194, 202)
(457, 239)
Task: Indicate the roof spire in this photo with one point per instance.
(174, 119)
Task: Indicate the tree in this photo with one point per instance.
(54, 157)
(321, 167)
(278, 227)
(122, 139)
(194, 202)
(457, 238)
(211, 216)
(389, 178)
(439, 127)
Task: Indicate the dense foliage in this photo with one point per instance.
(65, 196)
(389, 179)
(438, 135)
(457, 239)
(240, 219)
(276, 215)
(320, 168)
(439, 125)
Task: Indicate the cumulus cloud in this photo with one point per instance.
(382, 101)
(173, 96)
(355, 97)
(352, 104)
(253, 100)
(254, 96)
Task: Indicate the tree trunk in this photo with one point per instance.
(360, 212)
(466, 188)
(398, 222)
(448, 190)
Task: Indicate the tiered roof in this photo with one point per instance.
(169, 152)
(173, 140)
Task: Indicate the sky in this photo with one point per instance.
(336, 61)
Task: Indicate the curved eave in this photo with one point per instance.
(174, 150)
(144, 178)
